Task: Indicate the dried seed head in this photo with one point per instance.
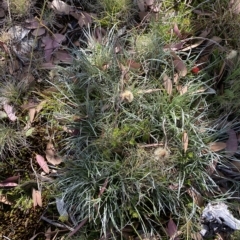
(127, 96)
(161, 153)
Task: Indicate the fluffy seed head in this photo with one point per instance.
(127, 96)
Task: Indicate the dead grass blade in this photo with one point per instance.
(185, 141)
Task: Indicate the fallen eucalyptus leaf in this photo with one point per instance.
(232, 143)
(38, 32)
(37, 198)
(60, 7)
(9, 184)
(4, 200)
(217, 146)
(172, 230)
(180, 67)
(42, 163)
(10, 112)
(167, 83)
(51, 155)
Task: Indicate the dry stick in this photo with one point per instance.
(151, 145)
(9, 12)
(150, 90)
(6, 238)
(103, 188)
(200, 38)
(56, 224)
(164, 131)
(35, 173)
(78, 227)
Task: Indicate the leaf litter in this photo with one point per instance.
(55, 53)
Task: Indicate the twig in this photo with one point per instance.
(164, 131)
(150, 90)
(103, 188)
(78, 227)
(151, 145)
(34, 173)
(9, 12)
(56, 224)
(6, 238)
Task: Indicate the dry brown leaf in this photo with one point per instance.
(38, 32)
(234, 6)
(29, 104)
(41, 105)
(177, 31)
(85, 19)
(180, 67)
(132, 64)
(42, 163)
(10, 112)
(3, 199)
(51, 155)
(48, 234)
(11, 179)
(31, 114)
(62, 56)
(196, 44)
(60, 7)
(37, 198)
(185, 141)
(34, 197)
(8, 184)
(232, 143)
(34, 23)
(182, 89)
(172, 230)
(176, 78)
(51, 44)
(196, 196)
(149, 2)
(140, 4)
(217, 146)
(167, 83)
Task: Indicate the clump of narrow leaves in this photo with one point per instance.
(137, 150)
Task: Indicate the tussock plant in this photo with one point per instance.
(139, 145)
(122, 113)
(11, 141)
